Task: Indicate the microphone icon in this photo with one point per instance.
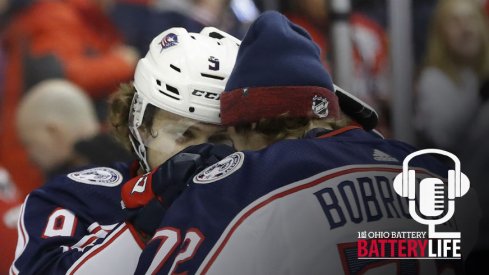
(432, 193)
(431, 197)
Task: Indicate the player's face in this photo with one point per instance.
(171, 134)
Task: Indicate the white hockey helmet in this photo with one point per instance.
(183, 73)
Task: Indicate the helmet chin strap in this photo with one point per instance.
(140, 151)
(136, 113)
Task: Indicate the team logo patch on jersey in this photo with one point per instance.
(168, 41)
(320, 106)
(103, 176)
(220, 170)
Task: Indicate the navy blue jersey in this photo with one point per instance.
(295, 207)
(68, 225)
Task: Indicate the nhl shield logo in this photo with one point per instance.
(168, 41)
(320, 106)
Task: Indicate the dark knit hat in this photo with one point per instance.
(278, 72)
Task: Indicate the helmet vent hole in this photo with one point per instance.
(216, 35)
(169, 95)
(191, 109)
(218, 43)
(193, 37)
(175, 68)
(173, 92)
(172, 89)
(212, 76)
(158, 82)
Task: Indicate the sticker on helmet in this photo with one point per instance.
(103, 176)
(220, 170)
(168, 41)
(320, 106)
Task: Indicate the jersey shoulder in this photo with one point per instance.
(91, 177)
(289, 161)
(94, 191)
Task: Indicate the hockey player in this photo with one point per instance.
(74, 224)
(306, 181)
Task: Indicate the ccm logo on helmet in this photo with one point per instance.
(205, 94)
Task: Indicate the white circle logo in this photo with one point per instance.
(103, 176)
(221, 169)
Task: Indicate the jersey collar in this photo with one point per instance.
(336, 132)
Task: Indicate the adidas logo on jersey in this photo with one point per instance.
(381, 156)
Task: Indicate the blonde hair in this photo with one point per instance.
(438, 52)
(119, 107)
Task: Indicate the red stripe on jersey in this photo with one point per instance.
(96, 230)
(89, 241)
(136, 236)
(340, 131)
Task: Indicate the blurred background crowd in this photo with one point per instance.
(423, 64)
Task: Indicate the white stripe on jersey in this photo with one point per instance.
(22, 238)
(117, 254)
